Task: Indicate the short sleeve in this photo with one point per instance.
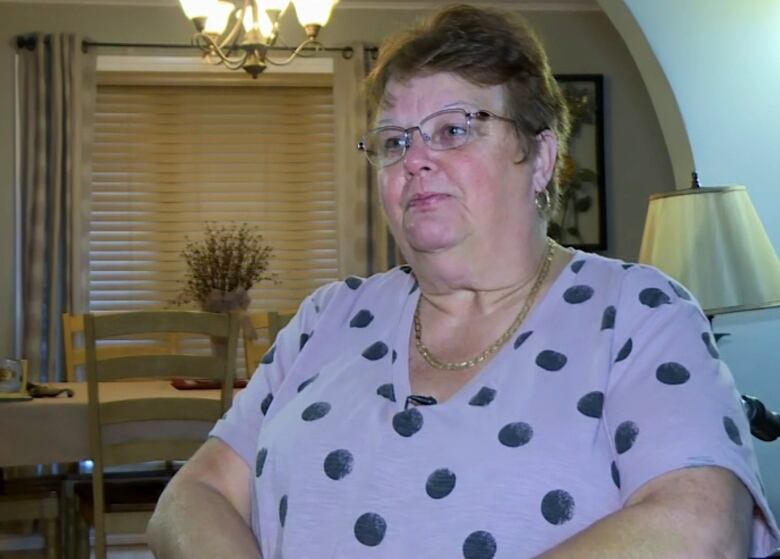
(671, 402)
(241, 425)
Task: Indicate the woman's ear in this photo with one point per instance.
(544, 162)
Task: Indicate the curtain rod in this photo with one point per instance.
(28, 42)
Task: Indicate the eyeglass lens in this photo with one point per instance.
(440, 131)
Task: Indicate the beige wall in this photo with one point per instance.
(637, 163)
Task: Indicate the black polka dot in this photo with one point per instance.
(732, 430)
(672, 373)
(394, 356)
(681, 292)
(370, 529)
(353, 282)
(625, 351)
(483, 397)
(260, 461)
(515, 434)
(577, 266)
(653, 297)
(521, 338)
(317, 410)
(406, 423)
(707, 339)
(625, 436)
(591, 404)
(375, 351)
(440, 483)
(414, 287)
(317, 309)
(558, 507)
(608, 318)
(362, 319)
(615, 474)
(627, 266)
(338, 464)
(307, 382)
(268, 358)
(282, 510)
(550, 360)
(387, 391)
(578, 294)
(406, 269)
(304, 338)
(479, 545)
(266, 403)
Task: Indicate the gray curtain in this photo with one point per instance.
(56, 88)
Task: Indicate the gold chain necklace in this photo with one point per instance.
(433, 361)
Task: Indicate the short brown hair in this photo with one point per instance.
(484, 47)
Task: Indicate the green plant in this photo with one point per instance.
(577, 184)
(227, 258)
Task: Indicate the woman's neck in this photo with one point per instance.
(457, 285)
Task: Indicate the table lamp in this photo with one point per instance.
(712, 241)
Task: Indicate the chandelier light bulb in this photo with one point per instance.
(264, 23)
(277, 5)
(314, 12)
(218, 16)
(197, 8)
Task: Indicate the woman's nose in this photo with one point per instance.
(417, 156)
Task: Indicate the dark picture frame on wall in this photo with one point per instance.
(581, 221)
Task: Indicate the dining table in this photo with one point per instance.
(55, 430)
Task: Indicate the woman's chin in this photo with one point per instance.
(433, 244)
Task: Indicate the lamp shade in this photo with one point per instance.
(712, 241)
(314, 12)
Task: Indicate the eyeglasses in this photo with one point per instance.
(440, 131)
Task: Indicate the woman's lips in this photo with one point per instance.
(427, 199)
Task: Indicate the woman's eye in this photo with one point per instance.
(394, 143)
(454, 130)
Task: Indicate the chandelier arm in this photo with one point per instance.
(294, 53)
(212, 51)
(232, 36)
(236, 63)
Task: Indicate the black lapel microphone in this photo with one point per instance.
(419, 400)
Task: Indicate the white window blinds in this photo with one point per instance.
(169, 158)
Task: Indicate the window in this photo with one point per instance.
(168, 158)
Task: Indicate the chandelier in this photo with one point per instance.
(240, 37)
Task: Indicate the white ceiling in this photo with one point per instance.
(531, 5)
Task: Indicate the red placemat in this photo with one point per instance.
(203, 384)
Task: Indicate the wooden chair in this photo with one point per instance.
(271, 322)
(125, 505)
(41, 505)
(75, 357)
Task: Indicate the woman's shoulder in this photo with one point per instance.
(634, 285)
(389, 285)
(597, 265)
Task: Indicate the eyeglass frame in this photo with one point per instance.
(482, 114)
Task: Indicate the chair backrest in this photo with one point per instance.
(266, 326)
(223, 331)
(75, 356)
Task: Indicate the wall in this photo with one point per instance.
(578, 42)
(722, 61)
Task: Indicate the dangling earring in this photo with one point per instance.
(543, 202)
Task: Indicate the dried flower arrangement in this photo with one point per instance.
(223, 266)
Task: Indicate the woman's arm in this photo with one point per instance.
(702, 512)
(204, 511)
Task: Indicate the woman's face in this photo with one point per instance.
(472, 199)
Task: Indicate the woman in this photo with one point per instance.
(501, 397)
